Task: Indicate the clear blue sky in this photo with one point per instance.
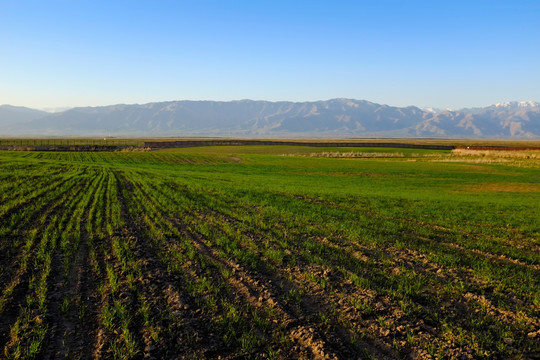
(427, 53)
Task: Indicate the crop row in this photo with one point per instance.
(135, 255)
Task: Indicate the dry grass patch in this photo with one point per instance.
(521, 158)
(521, 154)
(502, 187)
(351, 154)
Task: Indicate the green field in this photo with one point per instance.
(272, 252)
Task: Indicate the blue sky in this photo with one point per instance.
(426, 53)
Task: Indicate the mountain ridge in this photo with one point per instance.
(10, 114)
(339, 117)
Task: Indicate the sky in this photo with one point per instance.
(444, 54)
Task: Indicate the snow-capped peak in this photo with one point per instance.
(434, 110)
(517, 104)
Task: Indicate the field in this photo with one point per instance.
(271, 252)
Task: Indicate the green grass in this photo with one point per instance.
(427, 251)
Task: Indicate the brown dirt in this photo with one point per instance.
(317, 311)
(501, 187)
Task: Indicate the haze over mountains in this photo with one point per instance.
(330, 118)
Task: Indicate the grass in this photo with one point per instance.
(274, 251)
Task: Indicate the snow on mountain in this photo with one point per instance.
(330, 118)
(517, 105)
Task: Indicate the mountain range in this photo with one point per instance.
(331, 118)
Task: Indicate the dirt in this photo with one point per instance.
(501, 187)
(308, 310)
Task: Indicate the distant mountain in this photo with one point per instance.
(433, 110)
(515, 105)
(330, 118)
(511, 119)
(15, 115)
(505, 106)
(55, 109)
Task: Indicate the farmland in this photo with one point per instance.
(270, 252)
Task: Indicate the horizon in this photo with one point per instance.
(53, 110)
(341, 117)
(439, 55)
